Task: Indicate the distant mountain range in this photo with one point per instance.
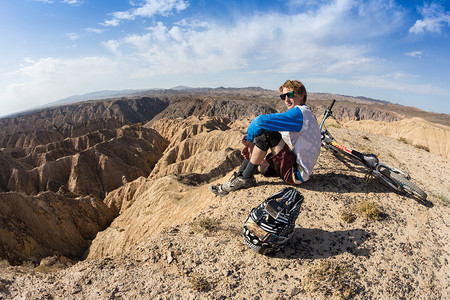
(135, 92)
(264, 96)
(95, 95)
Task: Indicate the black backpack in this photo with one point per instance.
(271, 224)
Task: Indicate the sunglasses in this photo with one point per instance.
(289, 95)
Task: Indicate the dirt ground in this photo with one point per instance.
(337, 252)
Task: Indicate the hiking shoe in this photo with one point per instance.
(236, 182)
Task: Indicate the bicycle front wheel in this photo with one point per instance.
(403, 183)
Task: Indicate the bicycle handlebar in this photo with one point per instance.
(331, 105)
(326, 114)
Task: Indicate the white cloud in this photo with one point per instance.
(346, 63)
(397, 81)
(111, 23)
(192, 23)
(94, 30)
(417, 54)
(73, 36)
(394, 82)
(434, 18)
(50, 79)
(45, 1)
(322, 41)
(112, 46)
(76, 36)
(147, 10)
(329, 41)
(162, 7)
(73, 2)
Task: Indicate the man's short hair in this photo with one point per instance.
(297, 86)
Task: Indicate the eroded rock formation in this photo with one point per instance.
(92, 164)
(33, 227)
(58, 164)
(54, 124)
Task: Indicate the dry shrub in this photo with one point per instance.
(331, 279)
(422, 147)
(206, 225)
(4, 263)
(199, 283)
(334, 125)
(444, 199)
(403, 140)
(348, 217)
(369, 211)
(45, 269)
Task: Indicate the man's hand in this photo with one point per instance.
(248, 148)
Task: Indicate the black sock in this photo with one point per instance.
(249, 170)
(243, 166)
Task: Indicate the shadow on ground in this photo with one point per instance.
(317, 243)
(344, 183)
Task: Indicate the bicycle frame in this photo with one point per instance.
(329, 142)
(370, 161)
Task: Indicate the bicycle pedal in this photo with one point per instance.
(368, 177)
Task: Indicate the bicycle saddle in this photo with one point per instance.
(370, 160)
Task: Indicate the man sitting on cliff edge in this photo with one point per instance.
(293, 138)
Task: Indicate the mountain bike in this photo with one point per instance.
(392, 177)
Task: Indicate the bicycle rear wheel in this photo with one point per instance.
(403, 183)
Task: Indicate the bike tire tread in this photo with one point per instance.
(405, 182)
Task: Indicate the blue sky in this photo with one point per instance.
(390, 50)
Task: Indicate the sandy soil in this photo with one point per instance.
(404, 254)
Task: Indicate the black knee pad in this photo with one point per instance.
(267, 139)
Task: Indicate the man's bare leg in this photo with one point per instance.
(258, 155)
(274, 150)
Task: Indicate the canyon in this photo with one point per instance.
(107, 195)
